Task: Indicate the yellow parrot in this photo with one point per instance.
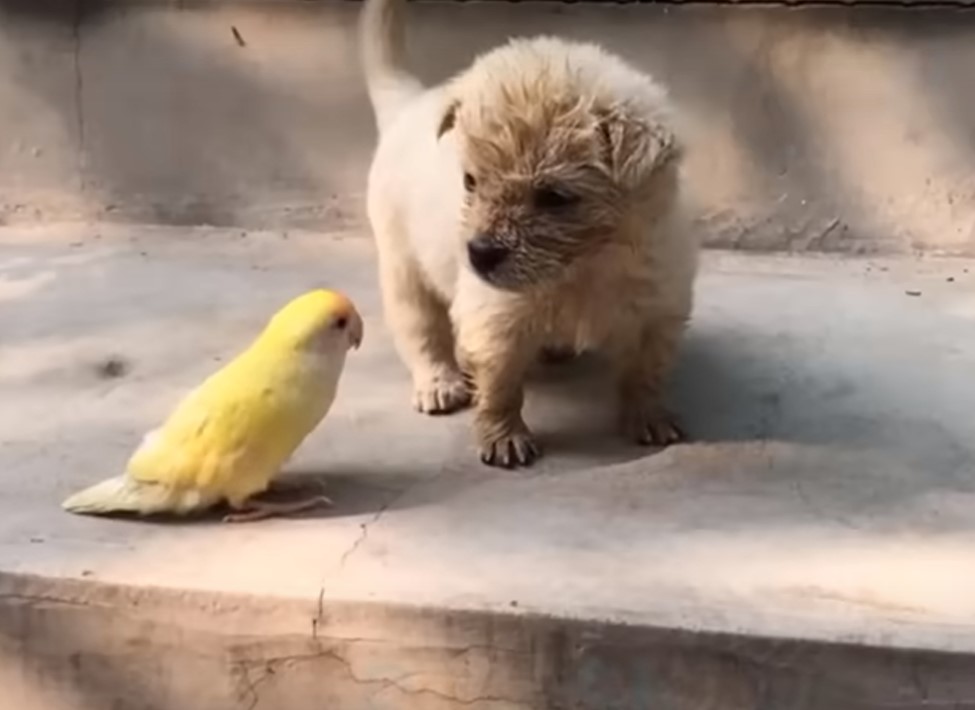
(229, 437)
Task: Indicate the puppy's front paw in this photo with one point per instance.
(441, 394)
(651, 425)
(512, 450)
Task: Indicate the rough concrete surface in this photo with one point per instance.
(811, 128)
(811, 548)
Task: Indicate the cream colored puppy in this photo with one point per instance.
(530, 202)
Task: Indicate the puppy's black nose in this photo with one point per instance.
(485, 254)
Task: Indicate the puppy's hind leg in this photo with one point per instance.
(421, 329)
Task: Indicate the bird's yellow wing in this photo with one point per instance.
(232, 432)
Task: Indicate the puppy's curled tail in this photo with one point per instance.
(383, 50)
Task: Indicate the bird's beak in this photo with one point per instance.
(355, 333)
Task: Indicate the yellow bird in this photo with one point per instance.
(228, 438)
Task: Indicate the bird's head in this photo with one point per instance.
(320, 321)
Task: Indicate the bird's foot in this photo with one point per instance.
(256, 509)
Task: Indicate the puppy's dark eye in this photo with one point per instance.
(341, 323)
(469, 182)
(550, 198)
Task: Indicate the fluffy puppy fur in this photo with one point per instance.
(531, 202)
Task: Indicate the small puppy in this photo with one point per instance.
(531, 202)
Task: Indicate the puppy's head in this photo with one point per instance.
(549, 170)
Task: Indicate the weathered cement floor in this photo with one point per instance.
(829, 492)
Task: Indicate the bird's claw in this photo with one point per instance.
(256, 509)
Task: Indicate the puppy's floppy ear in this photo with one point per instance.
(448, 119)
(635, 148)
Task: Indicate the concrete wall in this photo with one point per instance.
(90, 646)
(811, 127)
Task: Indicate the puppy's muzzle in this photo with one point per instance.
(485, 254)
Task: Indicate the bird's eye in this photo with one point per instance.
(550, 198)
(469, 182)
(341, 323)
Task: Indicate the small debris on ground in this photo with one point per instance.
(913, 293)
(112, 368)
(240, 40)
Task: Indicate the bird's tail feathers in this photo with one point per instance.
(123, 494)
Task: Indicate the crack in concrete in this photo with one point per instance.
(819, 511)
(79, 86)
(319, 613)
(363, 534)
(252, 689)
(918, 681)
(356, 544)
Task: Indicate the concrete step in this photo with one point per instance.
(814, 128)
(811, 548)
